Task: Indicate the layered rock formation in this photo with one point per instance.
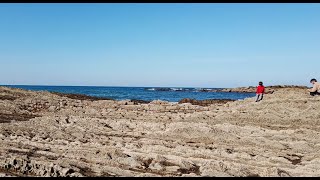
(206, 102)
(268, 89)
(46, 134)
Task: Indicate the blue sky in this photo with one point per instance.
(191, 45)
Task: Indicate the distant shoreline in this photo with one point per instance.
(203, 102)
(249, 89)
(110, 86)
(77, 96)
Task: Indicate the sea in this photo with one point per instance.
(171, 94)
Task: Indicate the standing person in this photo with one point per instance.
(316, 87)
(260, 92)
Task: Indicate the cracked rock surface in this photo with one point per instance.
(50, 134)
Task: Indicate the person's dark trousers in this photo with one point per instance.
(259, 97)
(314, 93)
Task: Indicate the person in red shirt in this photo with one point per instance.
(259, 92)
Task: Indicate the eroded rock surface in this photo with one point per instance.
(268, 89)
(45, 134)
(206, 102)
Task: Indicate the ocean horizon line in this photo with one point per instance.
(119, 86)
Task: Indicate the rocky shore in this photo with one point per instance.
(252, 89)
(54, 134)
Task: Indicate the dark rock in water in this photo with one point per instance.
(205, 102)
(136, 101)
(163, 89)
(207, 90)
